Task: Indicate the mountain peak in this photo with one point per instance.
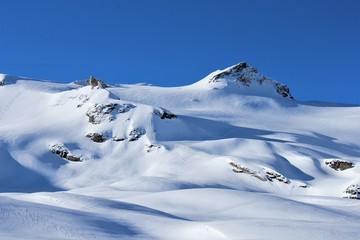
(243, 75)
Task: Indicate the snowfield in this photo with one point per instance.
(232, 156)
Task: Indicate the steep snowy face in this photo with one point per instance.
(243, 76)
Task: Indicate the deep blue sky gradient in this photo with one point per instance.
(311, 46)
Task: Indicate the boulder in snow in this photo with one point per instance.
(60, 150)
(96, 137)
(136, 134)
(164, 114)
(100, 112)
(241, 169)
(339, 164)
(353, 191)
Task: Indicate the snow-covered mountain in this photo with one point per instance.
(232, 156)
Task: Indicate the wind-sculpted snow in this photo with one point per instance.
(218, 159)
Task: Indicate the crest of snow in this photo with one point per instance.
(244, 79)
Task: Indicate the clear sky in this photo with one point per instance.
(313, 46)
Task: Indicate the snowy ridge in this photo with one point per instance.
(246, 79)
(214, 160)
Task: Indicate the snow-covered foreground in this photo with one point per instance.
(197, 213)
(232, 156)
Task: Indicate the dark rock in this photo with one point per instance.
(246, 75)
(238, 72)
(164, 114)
(283, 90)
(96, 137)
(60, 150)
(73, 158)
(353, 191)
(101, 112)
(339, 164)
(271, 175)
(240, 169)
(136, 134)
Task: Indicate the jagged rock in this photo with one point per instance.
(246, 75)
(240, 169)
(272, 175)
(60, 150)
(96, 137)
(96, 83)
(339, 164)
(353, 191)
(164, 114)
(283, 90)
(136, 134)
(100, 112)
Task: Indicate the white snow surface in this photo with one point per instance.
(237, 162)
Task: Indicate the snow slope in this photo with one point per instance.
(232, 156)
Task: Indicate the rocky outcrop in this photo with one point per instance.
(106, 112)
(246, 75)
(96, 137)
(60, 150)
(241, 169)
(283, 90)
(96, 83)
(272, 175)
(164, 114)
(339, 164)
(136, 134)
(353, 191)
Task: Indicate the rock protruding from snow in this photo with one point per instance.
(106, 112)
(60, 150)
(96, 137)
(245, 75)
(339, 164)
(136, 134)
(241, 169)
(96, 83)
(271, 175)
(164, 114)
(353, 191)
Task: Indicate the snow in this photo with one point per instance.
(174, 178)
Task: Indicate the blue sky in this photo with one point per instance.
(311, 46)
